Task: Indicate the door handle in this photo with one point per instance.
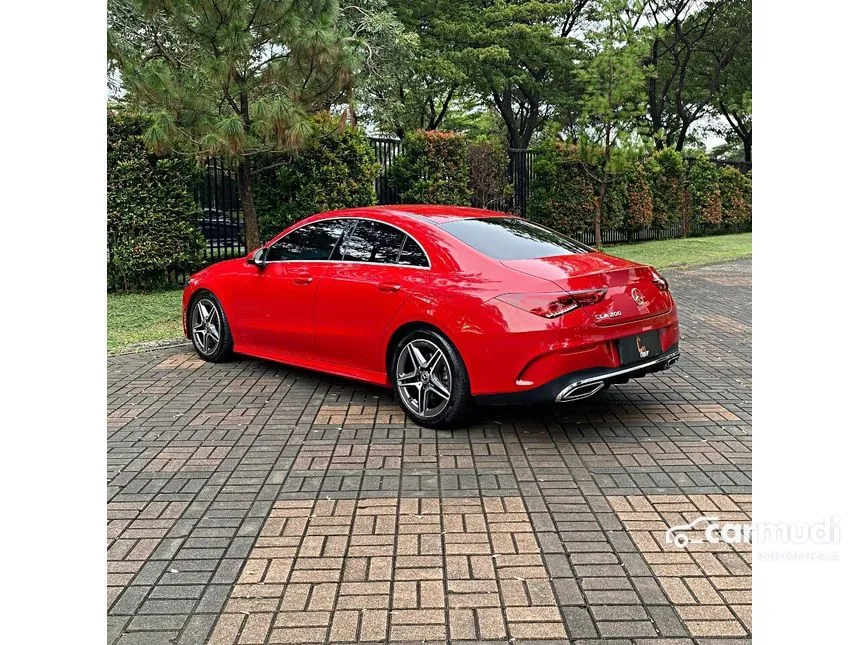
(303, 280)
(388, 287)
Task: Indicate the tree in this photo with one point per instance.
(231, 77)
(692, 46)
(390, 53)
(615, 83)
(521, 56)
(423, 83)
(734, 86)
(517, 56)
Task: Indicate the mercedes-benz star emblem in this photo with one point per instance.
(637, 296)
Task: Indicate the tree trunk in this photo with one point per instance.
(748, 149)
(682, 136)
(598, 240)
(252, 227)
(607, 151)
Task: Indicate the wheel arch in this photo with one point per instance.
(405, 329)
(186, 316)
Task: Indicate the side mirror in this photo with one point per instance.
(258, 259)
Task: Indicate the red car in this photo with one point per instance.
(448, 305)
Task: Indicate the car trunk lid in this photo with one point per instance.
(631, 292)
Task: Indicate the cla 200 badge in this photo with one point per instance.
(607, 315)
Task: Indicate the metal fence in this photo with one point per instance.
(386, 152)
(221, 220)
(223, 226)
(743, 166)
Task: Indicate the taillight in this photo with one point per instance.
(553, 305)
(661, 282)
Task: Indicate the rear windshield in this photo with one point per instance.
(512, 238)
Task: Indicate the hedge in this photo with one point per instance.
(562, 194)
(432, 169)
(666, 170)
(335, 169)
(488, 174)
(152, 218)
(660, 190)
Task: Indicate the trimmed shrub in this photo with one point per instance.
(152, 218)
(660, 191)
(488, 174)
(703, 180)
(736, 196)
(562, 192)
(335, 169)
(666, 172)
(614, 202)
(432, 168)
(639, 211)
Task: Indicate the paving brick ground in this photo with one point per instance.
(254, 503)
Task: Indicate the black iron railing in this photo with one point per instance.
(223, 226)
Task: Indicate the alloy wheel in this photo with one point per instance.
(206, 326)
(423, 377)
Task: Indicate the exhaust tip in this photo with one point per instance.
(579, 392)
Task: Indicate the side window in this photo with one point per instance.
(312, 242)
(373, 242)
(412, 254)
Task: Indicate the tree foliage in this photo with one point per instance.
(231, 77)
(697, 50)
(614, 83)
(518, 56)
(734, 86)
(334, 169)
(424, 83)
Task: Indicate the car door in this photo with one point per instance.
(362, 290)
(280, 299)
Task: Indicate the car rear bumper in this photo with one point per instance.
(582, 384)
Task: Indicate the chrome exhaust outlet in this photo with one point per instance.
(577, 392)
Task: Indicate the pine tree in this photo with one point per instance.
(230, 77)
(614, 80)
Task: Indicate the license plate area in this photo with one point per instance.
(639, 347)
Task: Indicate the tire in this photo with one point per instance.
(420, 387)
(209, 347)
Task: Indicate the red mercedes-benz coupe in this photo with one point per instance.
(447, 305)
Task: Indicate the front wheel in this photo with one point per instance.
(209, 330)
(430, 380)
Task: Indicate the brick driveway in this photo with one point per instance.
(255, 503)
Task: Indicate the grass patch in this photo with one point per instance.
(141, 317)
(689, 251)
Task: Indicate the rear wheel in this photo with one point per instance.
(430, 380)
(210, 332)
